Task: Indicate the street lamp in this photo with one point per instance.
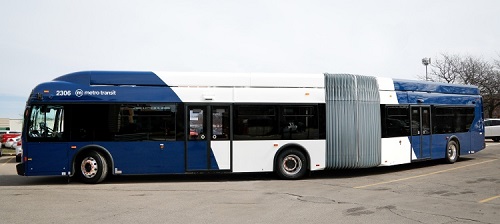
(426, 61)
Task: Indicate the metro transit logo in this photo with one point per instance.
(80, 93)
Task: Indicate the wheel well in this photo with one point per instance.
(101, 150)
(296, 147)
(455, 139)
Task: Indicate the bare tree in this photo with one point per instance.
(491, 92)
(445, 69)
(471, 70)
(496, 63)
(481, 73)
(474, 71)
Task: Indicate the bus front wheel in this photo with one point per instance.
(91, 167)
(291, 164)
(452, 151)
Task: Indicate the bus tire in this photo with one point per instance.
(291, 164)
(91, 167)
(452, 150)
(496, 139)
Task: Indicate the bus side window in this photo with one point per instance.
(453, 119)
(148, 122)
(396, 121)
(299, 122)
(46, 123)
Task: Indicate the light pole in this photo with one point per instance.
(426, 61)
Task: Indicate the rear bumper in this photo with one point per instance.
(20, 169)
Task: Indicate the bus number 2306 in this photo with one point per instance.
(63, 92)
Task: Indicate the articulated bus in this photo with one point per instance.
(93, 124)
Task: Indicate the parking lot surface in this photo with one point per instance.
(467, 191)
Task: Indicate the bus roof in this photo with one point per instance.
(434, 87)
(212, 79)
(227, 79)
(113, 78)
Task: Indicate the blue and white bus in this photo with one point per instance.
(93, 124)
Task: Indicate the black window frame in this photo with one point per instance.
(454, 121)
(395, 124)
(273, 122)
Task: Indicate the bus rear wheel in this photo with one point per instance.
(91, 167)
(452, 150)
(291, 164)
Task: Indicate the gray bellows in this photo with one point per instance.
(353, 127)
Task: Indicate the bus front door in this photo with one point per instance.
(208, 145)
(421, 132)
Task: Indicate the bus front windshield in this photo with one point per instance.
(46, 122)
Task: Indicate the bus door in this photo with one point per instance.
(208, 147)
(421, 132)
(45, 151)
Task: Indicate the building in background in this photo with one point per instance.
(11, 124)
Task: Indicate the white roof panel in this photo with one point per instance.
(226, 79)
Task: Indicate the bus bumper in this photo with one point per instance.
(20, 169)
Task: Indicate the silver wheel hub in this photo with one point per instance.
(89, 167)
(452, 151)
(292, 164)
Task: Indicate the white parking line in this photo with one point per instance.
(8, 161)
(423, 175)
(489, 199)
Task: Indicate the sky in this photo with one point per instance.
(41, 40)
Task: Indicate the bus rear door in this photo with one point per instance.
(421, 132)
